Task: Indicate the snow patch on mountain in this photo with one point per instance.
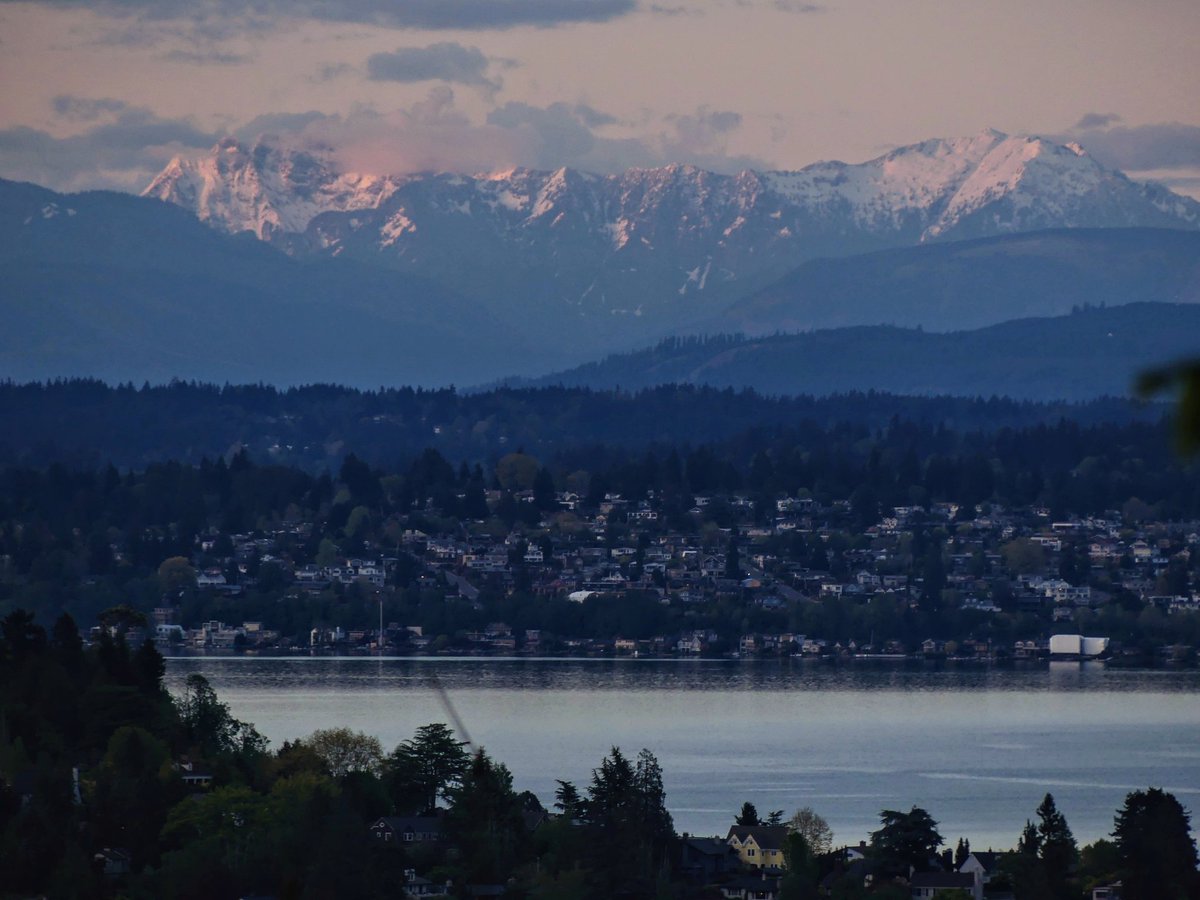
(265, 188)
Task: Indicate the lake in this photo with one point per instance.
(976, 747)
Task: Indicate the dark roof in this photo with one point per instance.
(943, 880)
(769, 837)
(424, 824)
(709, 846)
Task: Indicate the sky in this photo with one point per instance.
(102, 93)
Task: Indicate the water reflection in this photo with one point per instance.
(351, 673)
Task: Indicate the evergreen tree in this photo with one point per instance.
(567, 799)
(748, 815)
(1156, 849)
(907, 840)
(1058, 852)
(426, 766)
(486, 822)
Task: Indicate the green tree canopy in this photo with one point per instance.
(344, 751)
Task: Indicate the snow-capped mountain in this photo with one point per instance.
(264, 188)
(667, 245)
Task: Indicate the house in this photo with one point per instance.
(193, 775)
(702, 859)
(929, 884)
(416, 886)
(758, 846)
(983, 864)
(113, 861)
(854, 854)
(407, 829)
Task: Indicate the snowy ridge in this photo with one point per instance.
(650, 242)
(920, 192)
(264, 188)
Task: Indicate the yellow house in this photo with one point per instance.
(759, 846)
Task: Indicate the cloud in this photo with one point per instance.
(211, 57)
(1167, 152)
(85, 109)
(124, 147)
(430, 135)
(556, 135)
(706, 125)
(494, 14)
(123, 151)
(446, 61)
(229, 17)
(330, 71)
(278, 123)
(591, 117)
(795, 6)
(1138, 147)
(434, 134)
(1096, 120)
(567, 135)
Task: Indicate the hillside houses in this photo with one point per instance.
(780, 564)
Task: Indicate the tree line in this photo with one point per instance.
(86, 422)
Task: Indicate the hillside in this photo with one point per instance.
(124, 288)
(1091, 353)
(971, 284)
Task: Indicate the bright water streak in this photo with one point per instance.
(978, 748)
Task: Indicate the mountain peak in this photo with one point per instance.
(266, 187)
(968, 186)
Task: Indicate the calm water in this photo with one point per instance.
(978, 748)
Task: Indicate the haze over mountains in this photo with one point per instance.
(311, 273)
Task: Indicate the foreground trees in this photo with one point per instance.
(1046, 859)
(295, 823)
(1156, 851)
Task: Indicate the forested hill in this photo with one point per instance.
(88, 423)
(1091, 353)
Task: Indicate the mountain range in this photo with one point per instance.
(269, 263)
(595, 262)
